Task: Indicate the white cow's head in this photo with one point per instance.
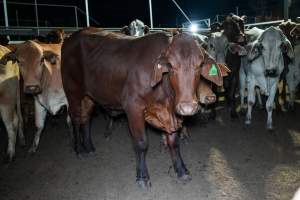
(218, 46)
(137, 28)
(271, 44)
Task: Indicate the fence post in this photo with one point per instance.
(76, 17)
(36, 17)
(5, 13)
(87, 13)
(151, 17)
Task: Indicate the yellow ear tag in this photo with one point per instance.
(213, 70)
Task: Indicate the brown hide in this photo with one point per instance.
(160, 116)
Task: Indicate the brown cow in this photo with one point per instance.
(10, 108)
(286, 28)
(137, 76)
(40, 68)
(234, 37)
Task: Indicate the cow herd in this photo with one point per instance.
(155, 78)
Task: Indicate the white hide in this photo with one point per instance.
(293, 76)
(257, 68)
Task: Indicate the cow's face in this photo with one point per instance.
(217, 44)
(33, 61)
(137, 28)
(182, 62)
(234, 28)
(271, 45)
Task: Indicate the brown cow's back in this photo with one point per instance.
(110, 76)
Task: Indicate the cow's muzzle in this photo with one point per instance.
(209, 99)
(32, 89)
(271, 73)
(187, 108)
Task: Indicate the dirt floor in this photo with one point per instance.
(226, 160)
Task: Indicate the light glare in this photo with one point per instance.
(193, 28)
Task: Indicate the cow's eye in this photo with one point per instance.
(261, 47)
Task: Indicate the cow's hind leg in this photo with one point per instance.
(179, 166)
(269, 106)
(242, 79)
(231, 98)
(87, 106)
(40, 117)
(109, 127)
(137, 129)
(251, 101)
(74, 101)
(258, 96)
(10, 119)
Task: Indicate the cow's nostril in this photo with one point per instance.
(32, 89)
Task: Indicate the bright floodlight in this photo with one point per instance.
(193, 28)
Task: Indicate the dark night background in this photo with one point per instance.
(117, 13)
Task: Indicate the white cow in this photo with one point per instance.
(266, 65)
(293, 76)
(251, 36)
(136, 28)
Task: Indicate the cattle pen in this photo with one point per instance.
(134, 101)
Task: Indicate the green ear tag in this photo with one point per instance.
(213, 70)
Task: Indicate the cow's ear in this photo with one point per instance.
(160, 67)
(50, 56)
(244, 18)
(125, 30)
(255, 51)
(237, 49)
(146, 29)
(211, 71)
(287, 49)
(11, 56)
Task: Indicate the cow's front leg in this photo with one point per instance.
(250, 100)
(109, 127)
(269, 105)
(40, 117)
(137, 129)
(10, 121)
(179, 166)
(242, 79)
(232, 104)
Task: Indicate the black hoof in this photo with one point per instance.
(7, 159)
(80, 155)
(144, 184)
(271, 130)
(212, 115)
(247, 126)
(234, 115)
(22, 143)
(243, 111)
(185, 178)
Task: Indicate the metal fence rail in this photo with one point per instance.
(76, 11)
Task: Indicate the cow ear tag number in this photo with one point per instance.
(213, 70)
